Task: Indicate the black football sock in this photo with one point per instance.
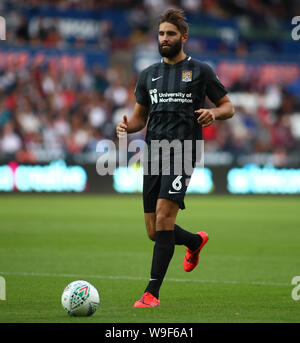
(183, 237)
(162, 254)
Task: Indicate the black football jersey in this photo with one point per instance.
(172, 93)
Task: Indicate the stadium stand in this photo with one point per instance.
(68, 70)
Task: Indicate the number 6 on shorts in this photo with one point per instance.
(176, 184)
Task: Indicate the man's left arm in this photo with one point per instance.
(223, 110)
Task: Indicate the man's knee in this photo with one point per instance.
(164, 220)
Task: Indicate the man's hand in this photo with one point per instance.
(223, 110)
(122, 127)
(206, 116)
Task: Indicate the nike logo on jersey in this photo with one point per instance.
(156, 78)
(171, 192)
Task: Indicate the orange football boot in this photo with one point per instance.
(191, 258)
(147, 300)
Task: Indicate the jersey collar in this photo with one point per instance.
(187, 58)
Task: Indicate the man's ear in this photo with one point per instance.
(185, 37)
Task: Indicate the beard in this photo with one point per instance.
(171, 50)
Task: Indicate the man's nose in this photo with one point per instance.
(165, 39)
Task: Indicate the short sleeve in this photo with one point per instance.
(214, 88)
(141, 94)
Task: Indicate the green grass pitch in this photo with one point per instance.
(244, 273)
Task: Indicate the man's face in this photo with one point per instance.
(170, 40)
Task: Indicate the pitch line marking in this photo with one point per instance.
(138, 278)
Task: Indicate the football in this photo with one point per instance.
(80, 299)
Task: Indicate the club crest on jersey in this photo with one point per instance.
(187, 76)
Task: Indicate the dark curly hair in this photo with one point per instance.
(175, 17)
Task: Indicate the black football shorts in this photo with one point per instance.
(172, 187)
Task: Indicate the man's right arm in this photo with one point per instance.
(136, 123)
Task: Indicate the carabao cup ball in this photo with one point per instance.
(80, 299)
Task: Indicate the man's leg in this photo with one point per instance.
(182, 237)
(166, 212)
(165, 216)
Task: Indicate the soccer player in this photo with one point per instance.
(170, 98)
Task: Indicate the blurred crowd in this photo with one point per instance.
(60, 114)
(38, 30)
(46, 113)
(65, 114)
(253, 8)
(260, 129)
